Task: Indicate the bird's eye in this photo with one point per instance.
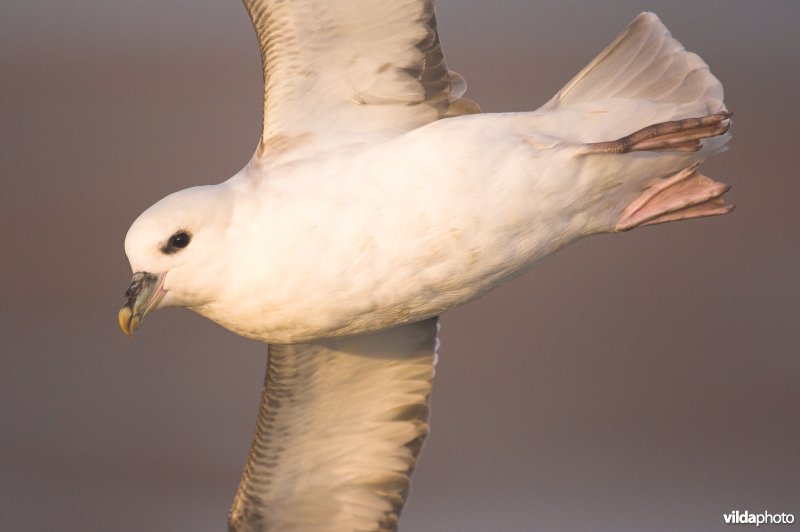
(177, 242)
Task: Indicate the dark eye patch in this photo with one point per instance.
(177, 242)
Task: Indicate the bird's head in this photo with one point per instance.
(178, 252)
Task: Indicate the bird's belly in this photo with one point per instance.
(373, 298)
(370, 299)
(400, 268)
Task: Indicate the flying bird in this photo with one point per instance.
(377, 199)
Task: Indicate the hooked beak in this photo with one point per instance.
(144, 294)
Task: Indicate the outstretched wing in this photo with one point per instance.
(341, 424)
(341, 70)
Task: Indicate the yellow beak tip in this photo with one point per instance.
(127, 324)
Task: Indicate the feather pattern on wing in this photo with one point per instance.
(335, 72)
(341, 424)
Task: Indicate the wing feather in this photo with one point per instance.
(341, 71)
(341, 424)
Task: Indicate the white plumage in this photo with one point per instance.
(370, 208)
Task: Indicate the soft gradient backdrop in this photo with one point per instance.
(644, 381)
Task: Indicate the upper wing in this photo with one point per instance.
(338, 70)
(341, 424)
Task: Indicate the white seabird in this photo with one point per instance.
(379, 198)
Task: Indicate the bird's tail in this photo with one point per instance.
(665, 111)
(645, 63)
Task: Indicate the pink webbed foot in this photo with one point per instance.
(687, 194)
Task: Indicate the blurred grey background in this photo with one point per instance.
(643, 381)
